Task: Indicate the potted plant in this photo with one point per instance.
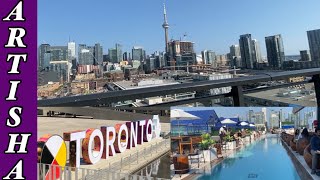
(252, 135)
(206, 147)
(248, 134)
(230, 141)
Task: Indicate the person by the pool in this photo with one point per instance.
(222, 132)
(304, 134)
(315, 151)
(296, 134)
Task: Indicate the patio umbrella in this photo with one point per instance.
(243, 123)
(179, 114)
(252, 126)
(228, 121)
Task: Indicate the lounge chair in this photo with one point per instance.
(302, 144)
(197, 156)
(290, 137)
(293, 145)
(308, 156)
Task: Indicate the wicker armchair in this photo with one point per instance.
(302, 144)
(289, 139)
(308, 157)
(293, 146)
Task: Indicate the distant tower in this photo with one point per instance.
(165, 25)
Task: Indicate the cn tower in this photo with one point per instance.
(165, 25)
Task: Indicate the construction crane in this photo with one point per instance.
(68, 70)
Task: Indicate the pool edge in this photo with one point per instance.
(301, 170)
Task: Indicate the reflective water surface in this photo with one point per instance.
(159, 168)
(265, 159)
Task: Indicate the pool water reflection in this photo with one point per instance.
(264, 159)
(159, 168)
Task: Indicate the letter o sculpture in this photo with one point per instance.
(87, 154)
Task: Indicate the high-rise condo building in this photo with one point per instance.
(256, 51)
(71, 50)
(98, 54)
(235, 56)
(181, 53)
(43, 51)
(208, 57)
(85, 54)
(138, 53)
(305, 55)
(247, 51)
(275, 51)
(314, 44)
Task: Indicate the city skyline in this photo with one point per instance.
(236, 111)
(129, 33)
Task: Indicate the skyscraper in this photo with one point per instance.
(208, 57)
(98, 54)
(314, 44)
(274, 119)
(59, 53)
(275, 51)
(256, 51)
(162, 59)
(247, 51)
(115, 54)
(112, 53)
(181, 53)
(72, 55)
(42, 50)
(46, 60)
(221, 60)
(305, 55)
(235, 50)
(71, 50)
(85, 54)
(251, 116)
(235, 56)
(259, 118)
(126, 56)
(138, 53)
(265, 121)
(119, 52)
(151, 64)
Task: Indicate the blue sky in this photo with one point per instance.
(211, 24)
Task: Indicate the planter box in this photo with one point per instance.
(247, 139)
(231, 145)
(209, 155)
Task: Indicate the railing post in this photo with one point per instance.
(316, 82)
(237, 95)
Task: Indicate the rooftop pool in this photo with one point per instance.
(264, 159)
